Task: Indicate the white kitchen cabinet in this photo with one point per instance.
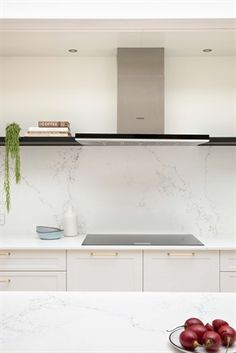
(228, 260)
(228, 271)
(32, 281)
(196, 271)
(228, 282)
(104, 270)
(41, 260)
(37, 270)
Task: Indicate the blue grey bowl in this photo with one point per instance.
(49, 233)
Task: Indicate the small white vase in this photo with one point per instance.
(70, 223)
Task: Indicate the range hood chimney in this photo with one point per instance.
(140, 103)
(140, 107)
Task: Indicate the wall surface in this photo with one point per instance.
(81, 90)
(122, 189)
(200, 93)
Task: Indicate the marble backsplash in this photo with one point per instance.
(126, 189)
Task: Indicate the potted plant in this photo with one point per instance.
(12, 150)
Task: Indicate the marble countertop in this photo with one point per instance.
(32, 242)
(72, 322)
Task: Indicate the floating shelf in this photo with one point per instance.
(70, 141)
(221, 141)
(44, 141)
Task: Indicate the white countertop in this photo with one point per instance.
(72, 322)
(32, 242)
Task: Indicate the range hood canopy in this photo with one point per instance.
(140, 104)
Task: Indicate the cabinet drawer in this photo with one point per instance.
(181, 271)
(32, 281)
(228, 260)
(228, 282)
(104, 270)
(11, 260)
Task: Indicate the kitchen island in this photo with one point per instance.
(39, 322)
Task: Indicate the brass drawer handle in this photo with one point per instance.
(5, 253)
(104, 254)
(181, 254)
(5, 280)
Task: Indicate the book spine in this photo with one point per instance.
(48, 129)
(47, 134)
(53, 124)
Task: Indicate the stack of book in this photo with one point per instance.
(50, 129)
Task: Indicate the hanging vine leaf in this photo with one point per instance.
(12, 149)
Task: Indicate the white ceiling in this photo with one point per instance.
(119, 9)
(90, 38)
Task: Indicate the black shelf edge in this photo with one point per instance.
(221, 141)
(44, 141)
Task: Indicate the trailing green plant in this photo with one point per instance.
(12, 149)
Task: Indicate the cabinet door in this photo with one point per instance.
(104, 270)
(228, 260)
(32, 281)
(228, 282)
(181, 271)
(29, 260)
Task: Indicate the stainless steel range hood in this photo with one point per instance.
(93, 139)
(140, 103)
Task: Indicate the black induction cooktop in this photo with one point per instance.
(142, 239)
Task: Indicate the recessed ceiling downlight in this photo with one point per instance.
(72, 50)
(207, 50)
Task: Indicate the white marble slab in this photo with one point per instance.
(32, 242)
(120, 190)
(75, 322)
